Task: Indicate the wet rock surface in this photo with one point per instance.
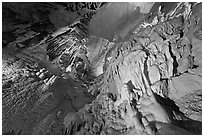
(72, 78)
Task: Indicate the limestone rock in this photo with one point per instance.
(88, 68)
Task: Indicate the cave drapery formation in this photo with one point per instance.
(102, 68)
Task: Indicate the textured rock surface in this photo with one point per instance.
(141, 75)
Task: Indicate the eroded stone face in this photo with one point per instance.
(76, 81)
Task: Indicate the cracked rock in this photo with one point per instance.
(92, 68)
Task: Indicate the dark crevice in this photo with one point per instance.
(175, 64)
(146, 73)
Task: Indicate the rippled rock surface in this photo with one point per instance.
(111, 68)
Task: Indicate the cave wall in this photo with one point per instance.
(85, 78)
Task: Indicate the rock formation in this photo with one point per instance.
(102, 68)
